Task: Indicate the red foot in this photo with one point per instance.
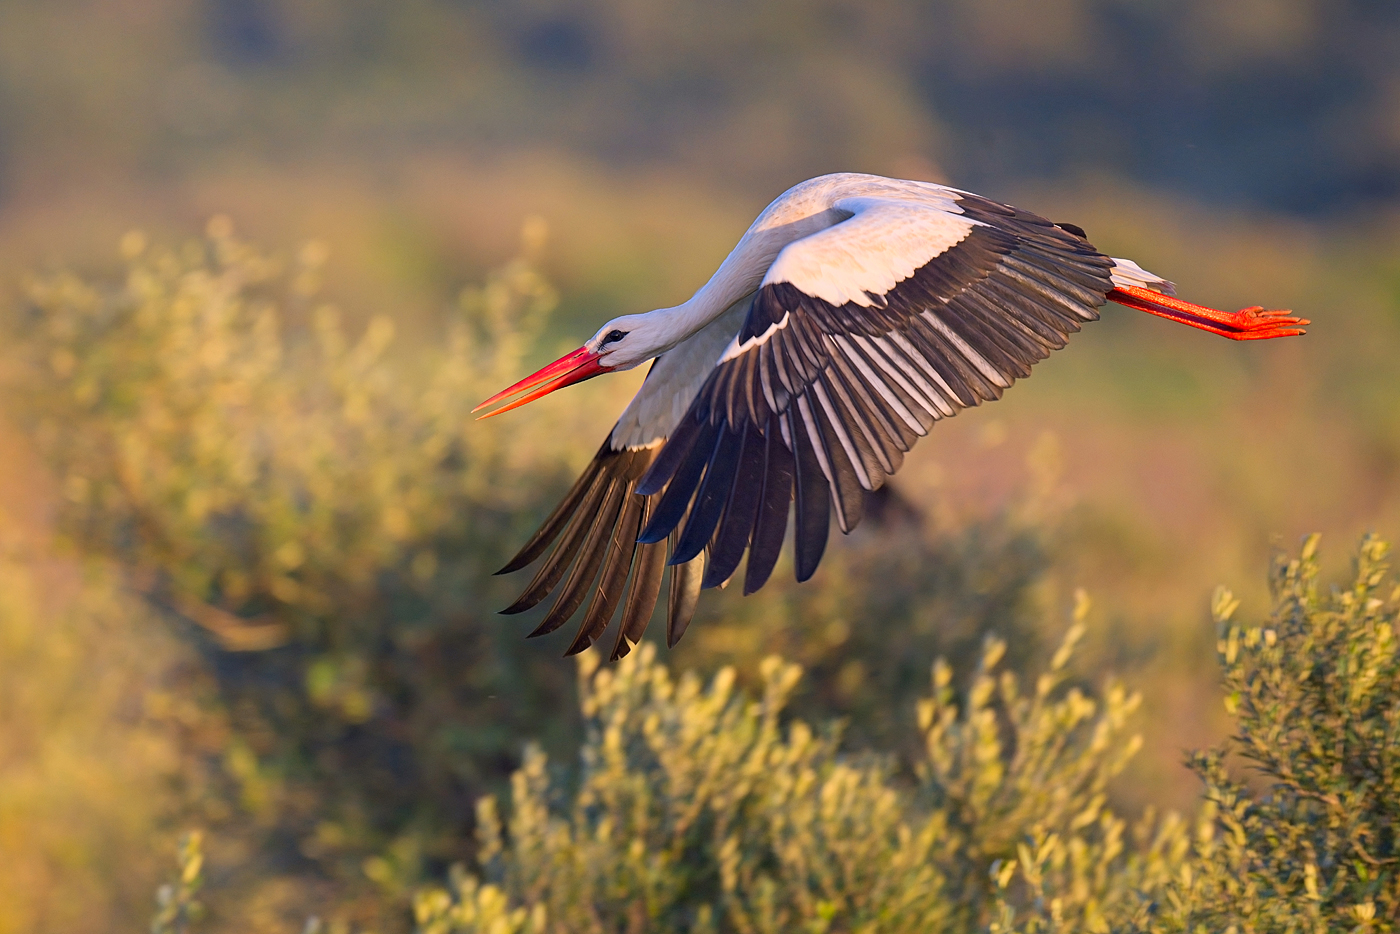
(1247, 324)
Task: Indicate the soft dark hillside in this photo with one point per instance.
(1281, 106)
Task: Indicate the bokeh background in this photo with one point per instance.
(259, 257)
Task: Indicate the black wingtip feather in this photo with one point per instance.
(740, 513)
(685, 594)
(674, 502)
(650, 566)
(849, 496)
(558, 519)
(550, 573)
(770, 526)
(585, 572)
(674, 453)
(616, 566)
(813, 505)
(714, 493)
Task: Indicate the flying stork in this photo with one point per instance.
(854, 313)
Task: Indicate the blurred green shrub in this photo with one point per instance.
(219, 430)
(320, 519)
(95, 731)
(698, 809)
(900, 591)
(177, 902)
(1308, 842)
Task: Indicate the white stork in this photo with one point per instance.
(854, 313)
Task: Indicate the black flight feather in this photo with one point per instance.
(848, 497)
(676, 500)
(862, 437)
(674, 452)
(735, 529)
(813, 497)
(714, 493)
(770, 525)
(896, 436)
(649, 563)
(559, 560)
(885, 443)
(685, 594)
(608, 593)
(594, 550)
(557, 520)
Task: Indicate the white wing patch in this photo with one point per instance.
(1126, 272)
(880, 245)
(735, 348)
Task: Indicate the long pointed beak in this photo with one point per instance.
(571, 368)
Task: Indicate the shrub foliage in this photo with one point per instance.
(698, 809)
(318, 521)
(1309, 844)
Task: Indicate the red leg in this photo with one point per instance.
(1247, 324)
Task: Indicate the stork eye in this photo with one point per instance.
(614, 335)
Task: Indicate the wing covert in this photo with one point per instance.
(852, 348)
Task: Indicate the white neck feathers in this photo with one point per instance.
(743, 269)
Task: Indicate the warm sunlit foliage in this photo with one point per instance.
(283, 488)
(698, 809)
(90, 746)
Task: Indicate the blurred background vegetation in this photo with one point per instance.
(258, 258)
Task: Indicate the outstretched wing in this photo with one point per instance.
(861, 337)
(592, 531)
(589, 543)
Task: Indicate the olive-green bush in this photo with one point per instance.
(1305, 838)
(316, 517)
(698, 809)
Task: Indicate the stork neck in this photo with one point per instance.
(743, 269)
(737, 277)
(709, 302)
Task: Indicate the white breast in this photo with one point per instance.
(674, 381)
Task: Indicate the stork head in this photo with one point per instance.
(620, 344)
(631, 340)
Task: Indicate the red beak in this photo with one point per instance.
(571, 368)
